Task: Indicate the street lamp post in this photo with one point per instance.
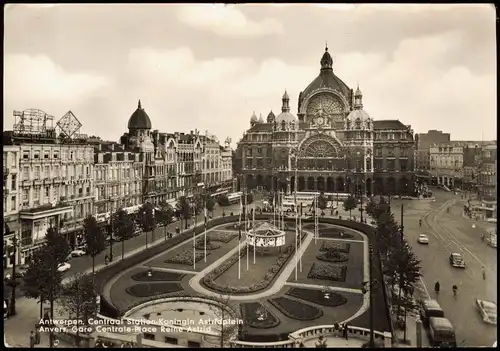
(13, 279)
(111, 238)
(371, 284)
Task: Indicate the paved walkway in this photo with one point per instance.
(174, 270)
(333, 341)
(321, 287)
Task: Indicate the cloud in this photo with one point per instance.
(36, 81)
(226, 20)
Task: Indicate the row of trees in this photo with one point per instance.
(400, 264)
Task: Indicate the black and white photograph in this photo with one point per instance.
(252, 175)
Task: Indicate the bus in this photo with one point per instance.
(288, 206)
(305, 200)
(219, 193)
(234, 198)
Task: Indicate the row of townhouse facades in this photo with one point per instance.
(49, 181)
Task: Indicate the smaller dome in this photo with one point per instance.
(286, 116)
(285, 96)
(253, 118)
(326, 60)
(139, 119)
(261, 120)
(358, 92)
(271, 117)
(362, 117)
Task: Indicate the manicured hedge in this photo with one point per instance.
(157, 276)
(251, 317)
(295, 309)
(318, 297)
(153, 289)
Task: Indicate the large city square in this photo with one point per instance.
(215, 175)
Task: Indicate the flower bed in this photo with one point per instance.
(342, 247)
(334, 233)
(252, 318)
(158, 276)
(222, 236)
(332, 256)
(328, 271)
(186, 257)
(200, 244)
(318, 297)
(209, 279)
(296, 309)
(148, 290)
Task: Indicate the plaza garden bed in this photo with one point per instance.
(157, 276)
(149, 290)
(329, 245)
(328, 271)
(296, 309)
(332, 256)
(255, 315)
(200, 244)
(186, 257)
(318, 297)
(209, 279)
(334, 233)
(222, 237)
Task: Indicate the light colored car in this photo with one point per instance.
(63, 267)
(488, 311)
(423, 239)
(77, 253)
(457, 260)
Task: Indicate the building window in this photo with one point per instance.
(169, 340)
(46, 155)
(194, 344)
(13, 182)
(56, 154)
(13, 203)
(36, 155)
(149, 336)
(36, 193)
(403, 165)
(26, 155)
(71, 155)
(390, 165)
(358, 135)
(47, 172)
(26, 198)
(55, 192)
(26, 173)
(378, 152)
(403, 136)
(37, 172)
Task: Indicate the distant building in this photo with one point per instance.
(423, 143)
(331, 145)
(446, 163)
(11, 200)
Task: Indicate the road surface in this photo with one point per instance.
(451, 232)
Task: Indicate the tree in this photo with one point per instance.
(94, 238)
(223, 200)
(222, 310)
(322, 203)
(249, 198)
(210, 204)
(147, 219)
(387, 235)
(184, 208)
(164, 215)
(350, 204)
(42, 278)
(123, 227)
(79, 299)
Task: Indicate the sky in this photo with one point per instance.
(208, 67)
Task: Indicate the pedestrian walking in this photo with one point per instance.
(37, 334)
(484, 273)
(32, 339)
(106, 260)
(346, 332)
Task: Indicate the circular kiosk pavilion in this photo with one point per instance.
(265, 238)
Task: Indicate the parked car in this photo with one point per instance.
(77, 253)
(488, 311)
(63, 267)
(429, 308)
(423, 239)
(457, 260)
(441, 333)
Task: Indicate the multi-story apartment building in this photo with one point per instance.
(423, 142)
(446, 163)
(487, 177)
(189, 162)
(11, 201)
(118, 179)
(332, 144)
(216, 163)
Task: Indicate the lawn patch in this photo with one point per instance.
(255, 315)
(328, 271)
(222, 237)
(318, 297)
(157, 276)
(338, 246)
(147, 290)
(186, 257)
(296, 309)
(334, 233)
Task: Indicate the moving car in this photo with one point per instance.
(492, 240)
(77, 253)
(63, 267)
(457, 260)
(423, 239)
(441, 332)
(429, 308)
(488, 311)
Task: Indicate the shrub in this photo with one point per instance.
(157, 276)
(200, 244)
(148, 290)
(222, 237)
(332, 245)
(332, 255)
(251, 317)
(186, 257)
(328, 271)
(334, 233)
(296, 309)
(318, 297)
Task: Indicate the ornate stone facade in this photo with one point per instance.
(332, 144)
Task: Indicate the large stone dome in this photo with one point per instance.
(139, 119)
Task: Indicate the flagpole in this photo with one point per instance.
(246, 242)
(239, 238)
(253, 228)
(194, 241)
(315, 219)
(296, 227)
(205, 211)
(300, 234)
